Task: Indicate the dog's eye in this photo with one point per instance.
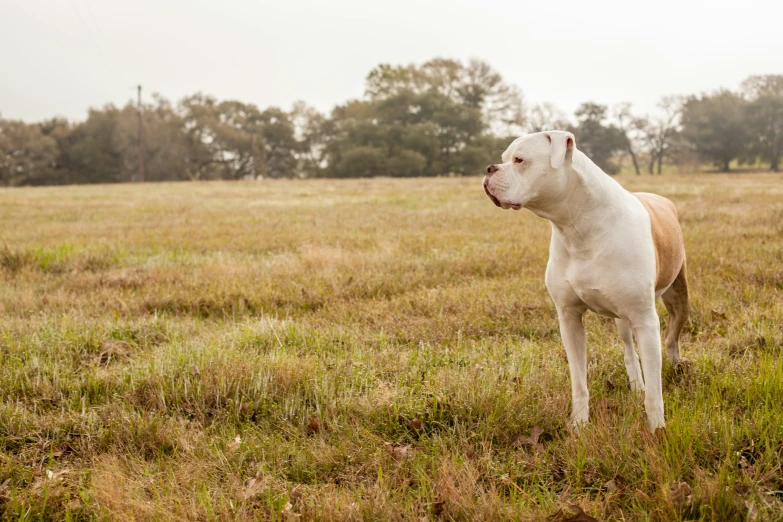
(518, 160)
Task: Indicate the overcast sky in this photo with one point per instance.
(59, 57)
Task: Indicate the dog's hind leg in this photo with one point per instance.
(631, 359)
(676, 301)
(647, 331)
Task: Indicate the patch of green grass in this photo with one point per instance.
(367, 349)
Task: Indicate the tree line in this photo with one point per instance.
(442, 117)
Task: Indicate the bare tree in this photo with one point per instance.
(661, 131)
(546, 116)
(633, 128)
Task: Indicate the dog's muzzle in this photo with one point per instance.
(495, 200)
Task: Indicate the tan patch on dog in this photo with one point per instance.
(667, 237)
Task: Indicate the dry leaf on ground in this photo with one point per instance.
(437, 506)
(295, 496)
(398, 451)
(288, 512)
(416, 426)
(578, 516)
(313, 426)
(681, 494)
(532, 440)
(54, 475)
(256, 485)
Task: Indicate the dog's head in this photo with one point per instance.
(533, 169)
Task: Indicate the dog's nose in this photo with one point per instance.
(491, 169)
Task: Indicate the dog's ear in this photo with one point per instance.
(560, 143)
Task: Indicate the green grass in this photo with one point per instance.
(144, 328)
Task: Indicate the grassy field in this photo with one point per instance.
(367, 350)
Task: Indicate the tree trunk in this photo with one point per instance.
(726, 165)
(633, 158)
(651, 166)
(660, 162)
(775, 163)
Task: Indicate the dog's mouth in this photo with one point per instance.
(496, 201)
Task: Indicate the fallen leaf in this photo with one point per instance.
(397, 451)
(437, 506)
(579, 516)
(195, 371)
(52, 475)
(313, 426)
(416, 426)
(718, 315)
(532, 440)
(288, 512)
(611, 486)
(295, 496)
(4, 485)
(234, 446)
(558, 473)
(681, 494)
(256, 485)
(565, 496)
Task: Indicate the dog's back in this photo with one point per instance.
(667, 237)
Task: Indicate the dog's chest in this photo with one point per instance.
(594, 290)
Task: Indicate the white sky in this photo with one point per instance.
(59, 57)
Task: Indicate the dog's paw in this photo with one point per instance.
(575, 425)
(656, 436)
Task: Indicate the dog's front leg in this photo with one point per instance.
(573, 333)
(648, 335)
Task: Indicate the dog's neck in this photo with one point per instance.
(586, 210)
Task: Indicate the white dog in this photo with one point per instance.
(612, 251)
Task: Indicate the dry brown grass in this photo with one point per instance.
(146, 327)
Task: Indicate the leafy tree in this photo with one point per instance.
(476, 85)
(406, 164)
(598, 139)
(234, 140)
(199, 116)
(311, 130)
(361, 161)
(89, 155)
(715, 126)
(279, 145)
(27, 155)
(60, 130)
(164, 143)
(501, 104)
(764, 117)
